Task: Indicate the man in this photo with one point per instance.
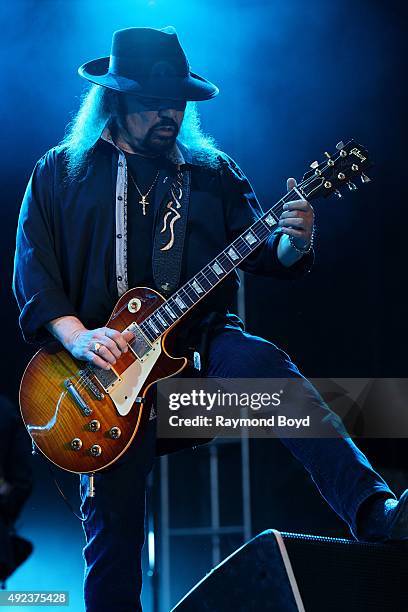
(136, 195)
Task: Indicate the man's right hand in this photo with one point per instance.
(82, 342)
(101, 346)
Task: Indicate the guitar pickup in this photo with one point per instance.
(106, 378)
(140, 346)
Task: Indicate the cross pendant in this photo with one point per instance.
(143, 203)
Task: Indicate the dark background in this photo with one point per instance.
(295, 78)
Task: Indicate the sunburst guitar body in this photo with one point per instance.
(84, 418)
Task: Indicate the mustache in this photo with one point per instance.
(166, 122)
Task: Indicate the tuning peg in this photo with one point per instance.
(338, 194)
(351, 186)
(327, 155)
(340, 145)
(365, 178)
(314, 165)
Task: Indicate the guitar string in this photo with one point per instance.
(84, 381)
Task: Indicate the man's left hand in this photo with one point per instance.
(297, 219)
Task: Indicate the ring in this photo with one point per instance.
(96, 347)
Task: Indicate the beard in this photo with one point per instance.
(157, 143)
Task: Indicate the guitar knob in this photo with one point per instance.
(76, 444)
(115, 433)
(95, 450)
(338, 194)
(351, 186)
(94, 425)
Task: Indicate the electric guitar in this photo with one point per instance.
(82, 417)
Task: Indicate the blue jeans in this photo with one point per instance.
(115, 529)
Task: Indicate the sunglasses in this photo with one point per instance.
(135, 104)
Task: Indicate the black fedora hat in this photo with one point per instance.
(150, 63)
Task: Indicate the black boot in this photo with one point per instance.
(383, 519)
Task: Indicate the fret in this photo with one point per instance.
(185, 296)
(239, 245)
(270, 220)
(151, 323)
(232, 254)
(204, 282)
(147, 331)
(180, 303)
(225, 262)
(251, 238)
(175, 307)
(197, 287)
(162, 321)
(165, 315)
(191, 292)
(261, 231)
(217, 269)
(208, 274)
(170, 312)
(265, 225)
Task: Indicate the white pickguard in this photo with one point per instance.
(125, 392)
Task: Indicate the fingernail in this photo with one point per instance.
(285, 207)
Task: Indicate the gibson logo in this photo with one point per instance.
(357, 153)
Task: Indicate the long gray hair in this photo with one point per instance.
(100, 105)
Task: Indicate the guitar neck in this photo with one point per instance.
(324, 179)
(192, 292)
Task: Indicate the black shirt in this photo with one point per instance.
(143, 171)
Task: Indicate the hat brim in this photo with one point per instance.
(192, 87)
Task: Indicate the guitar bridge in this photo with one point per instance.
(77, 397)
(90, 385)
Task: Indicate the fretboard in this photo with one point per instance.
(186, 297)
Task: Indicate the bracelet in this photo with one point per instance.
(304, 251)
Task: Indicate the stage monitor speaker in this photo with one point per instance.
(286, 572)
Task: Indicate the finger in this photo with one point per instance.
(96, 360)
(293, 221)
(111, 346)
(128, 335)
(297, 205)
(293, 232)
(117, 338)
(106, 354)
(294, 214)
(290, 183)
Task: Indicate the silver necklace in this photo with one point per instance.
(143, 201)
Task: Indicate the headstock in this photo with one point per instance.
(336, 172)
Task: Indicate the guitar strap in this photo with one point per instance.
(171, 213)
(170, 231)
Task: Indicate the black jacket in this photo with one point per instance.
(65, 252)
